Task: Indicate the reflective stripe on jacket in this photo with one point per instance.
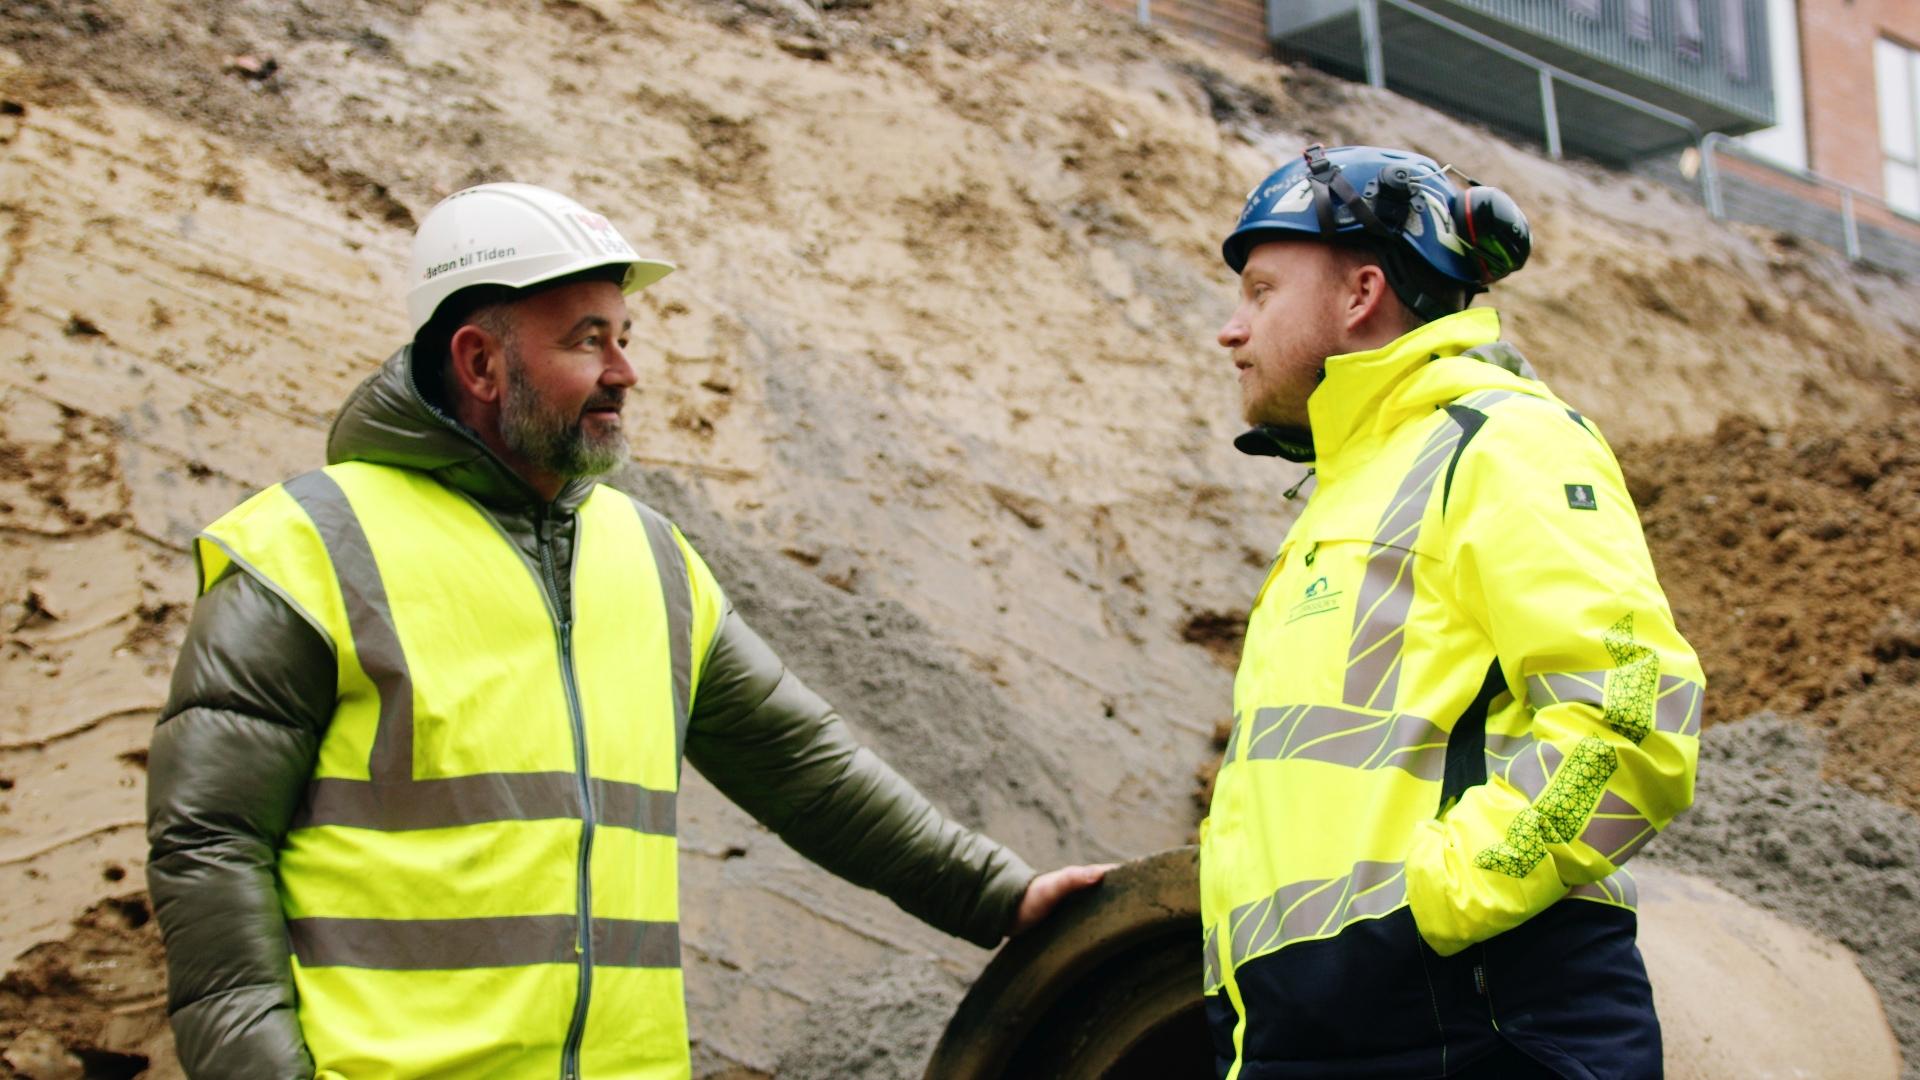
(482, 879)
(1461, 691)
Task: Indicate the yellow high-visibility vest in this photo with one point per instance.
(1470, 562)
(482, 880)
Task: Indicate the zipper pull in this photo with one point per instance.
(1295, 489)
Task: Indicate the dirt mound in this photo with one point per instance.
(896, 1019)
(947, 726)
(1787, 555)
(1842, 864)
(935, 383)
(93, 1004)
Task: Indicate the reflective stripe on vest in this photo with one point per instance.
(442, 889)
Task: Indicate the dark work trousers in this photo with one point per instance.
(1563, 995)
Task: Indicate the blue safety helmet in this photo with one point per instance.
(1439, 245)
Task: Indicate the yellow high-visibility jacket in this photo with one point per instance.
(1461, 692)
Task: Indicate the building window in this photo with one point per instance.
(1896, 71)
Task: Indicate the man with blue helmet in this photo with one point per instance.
(1462, 702)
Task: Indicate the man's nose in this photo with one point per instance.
(619, 369)
(1234, 333)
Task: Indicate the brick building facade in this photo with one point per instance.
(1841, 72)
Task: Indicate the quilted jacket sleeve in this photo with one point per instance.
(251, 695)
(1545, 553)
(782, 753)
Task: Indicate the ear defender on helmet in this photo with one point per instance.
(1497, 235)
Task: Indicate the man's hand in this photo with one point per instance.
(1046, 891)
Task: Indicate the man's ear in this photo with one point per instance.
(477, 361)
(1368, 296)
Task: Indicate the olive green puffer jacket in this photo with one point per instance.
(253, 694)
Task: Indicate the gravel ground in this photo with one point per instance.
(1843, 864)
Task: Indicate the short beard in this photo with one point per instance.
(550, 439)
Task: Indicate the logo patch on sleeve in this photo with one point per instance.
(1580, 497)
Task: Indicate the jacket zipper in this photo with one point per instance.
(583, 941)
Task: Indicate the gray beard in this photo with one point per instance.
(549, 438)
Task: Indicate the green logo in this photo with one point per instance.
(1319, 598)
(1580, 497)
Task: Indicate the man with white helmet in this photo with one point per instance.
(1462, 703)
(412, 797)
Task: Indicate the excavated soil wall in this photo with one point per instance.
(934, 389)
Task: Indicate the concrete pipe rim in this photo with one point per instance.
(1145, 917)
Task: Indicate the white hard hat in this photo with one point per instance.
(516, 235)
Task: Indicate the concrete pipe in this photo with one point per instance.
(1109, 987)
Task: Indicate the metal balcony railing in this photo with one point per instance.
(1712, 49)
(1763, 192)
(1547, 74)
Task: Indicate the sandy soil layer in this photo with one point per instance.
(935, 390)
(93, 1004)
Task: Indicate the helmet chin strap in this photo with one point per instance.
(1327, 182)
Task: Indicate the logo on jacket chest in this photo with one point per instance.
(1318, 598)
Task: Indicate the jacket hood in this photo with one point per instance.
(1368, 394)
(387, 421)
